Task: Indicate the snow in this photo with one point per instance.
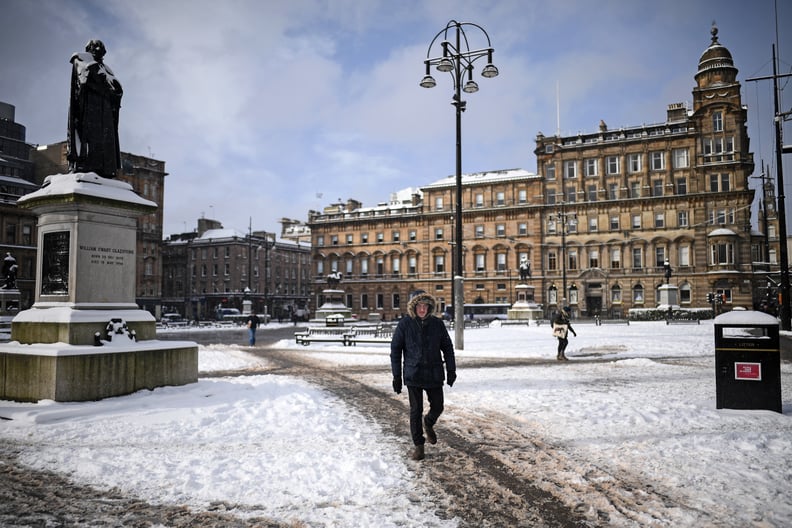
(636, 401)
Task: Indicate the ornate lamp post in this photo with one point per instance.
(457, 59)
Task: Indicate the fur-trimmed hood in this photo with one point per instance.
(422, 297)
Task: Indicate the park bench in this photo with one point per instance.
(614, 321)
(322, 334)
(682, 321)
(368, 334)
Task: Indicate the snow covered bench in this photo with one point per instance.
(322, 334)
(374, 334)
(682, 321)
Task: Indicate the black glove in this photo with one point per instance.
(574, 333)
(397, 385)
(451, 378)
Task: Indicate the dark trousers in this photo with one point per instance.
(562, 344)
(435, 397)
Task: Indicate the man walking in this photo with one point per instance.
(252, 324)
(419, 347)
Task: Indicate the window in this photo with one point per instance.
(571, 194)
(615, 258)
(364, 238)
(614, 223)
(380, 301)
(722, 253)
(479, 230)
(635, 189)
(380, 263)
(717, 121)
(522, 196)
(27, 235)
(552, 260)
(480, 261)
(634, 162)
(659, 220)
(593, 225)
(572, 259)
(638, 294)
(364, 301)
(592, 193)
(660, 256)
(613, 191)
(500, 230)
(657, 187)
(658, 160)
(333, 240)
(349, 239)
(594, 258)
(636, 221)
(364, 267)
(395, 264)
(439, 263)
(349, 267)
(681, 159)
(413, 235)
(613, 164)
(550, 171)
(637, 258)
(412, 265)
(439, 203)
(570, 169)
(439, 233)
(684, 256)
(320, 240)
(684, 293)
(500, 198)
(500, 261)
(551, 196)
(616, 297)
(522, 229)
(682, 219)
(726, 293)
(396, 236)
(591, 167)
(396, 301)
(380, 238)
(479, 200)
(681, 185)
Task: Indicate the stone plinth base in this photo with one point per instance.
(517, 313)
(64, 324)
(62, 372)
(334, 305)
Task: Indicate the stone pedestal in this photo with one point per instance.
(524, 308)
(333, 305)
(668, 297)
(84, 305)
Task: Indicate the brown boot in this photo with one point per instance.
(431, 437)
(418, 453)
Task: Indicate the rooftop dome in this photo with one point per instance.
(716, 56)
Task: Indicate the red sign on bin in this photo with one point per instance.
(748, 371)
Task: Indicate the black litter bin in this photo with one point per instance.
(747, 361)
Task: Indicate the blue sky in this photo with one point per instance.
(267, 109)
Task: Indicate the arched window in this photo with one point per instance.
(616, 294)
(638, 294)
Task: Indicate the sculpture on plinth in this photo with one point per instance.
(525, 269)
(9, 272)
(334, 279)
(94, 105)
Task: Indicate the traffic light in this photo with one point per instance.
(710, 297)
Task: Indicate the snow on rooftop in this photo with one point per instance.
(480, 177)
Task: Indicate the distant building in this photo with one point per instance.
(598, 221)
(18, 233)
(212, 268)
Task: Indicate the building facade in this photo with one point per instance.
(18, 233)
(214, 267)
(601, 222)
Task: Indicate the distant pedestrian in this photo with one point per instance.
(561, 329)
(419, 347)
(252, 324)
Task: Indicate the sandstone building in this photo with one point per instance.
(600, 221)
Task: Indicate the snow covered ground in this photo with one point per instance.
(277, 446)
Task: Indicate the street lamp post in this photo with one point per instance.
(457, 59)
(561, 220)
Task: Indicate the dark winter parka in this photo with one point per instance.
(424, 344)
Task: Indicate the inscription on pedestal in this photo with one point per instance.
(55, 263)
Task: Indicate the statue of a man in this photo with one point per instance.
(93, 114)
(9, 272)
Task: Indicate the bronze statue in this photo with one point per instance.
(9, 272)
(93, 114)
(333, 279)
